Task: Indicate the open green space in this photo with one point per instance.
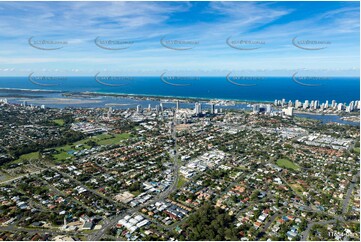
(181, 181)
(29, 156)
(242, 168)
(3, 176)
(136, 193)
(109, 139)
(357, 150)
(285, 163)
(101, 139)
(59, 122)
(297, 188)
(63, 155)
(22, 158)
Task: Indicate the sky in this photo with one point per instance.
(142, 38)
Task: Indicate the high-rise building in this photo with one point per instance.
(177, 105)
(307, 103)
(316, 104)
(256, 108)
(355, 105)
(212, 108)
(139, 108)
(288, 111)
(312, 104)
(326, 104)
(110, 110)
(198, 108)
(268, 108)
(298, 104)
(276, 102)
(333, 104)
(340, 107)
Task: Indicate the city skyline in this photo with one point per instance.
(180, 121)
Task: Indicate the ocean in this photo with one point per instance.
(341, 89)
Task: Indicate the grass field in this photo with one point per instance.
(108, 140)
(287, 164)
(297, 188)
(181, 181)
(135, 193)
(59, 122)
(102, 139)
(63, 155)
(29, 156)
(357, 150)
(242, 168)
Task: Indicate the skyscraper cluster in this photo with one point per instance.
(261, 108)
(315, 104)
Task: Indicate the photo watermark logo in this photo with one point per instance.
(106, 80)
(334, 234)
(43, 44)
(176, 44)
(310, 44)
(42, 80)
(108, 44)
(234, 79)
(242, 44)
(171, 80)
(302, 80)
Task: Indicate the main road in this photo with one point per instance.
(346, 201)
(109, 223)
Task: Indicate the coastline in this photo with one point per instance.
(30, 90)
(185, 99)
(67, 98)
(133, 95)
(158, 97)
(314, 113)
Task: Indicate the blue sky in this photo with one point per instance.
(207, 23)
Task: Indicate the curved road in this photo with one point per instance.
(346, 201)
